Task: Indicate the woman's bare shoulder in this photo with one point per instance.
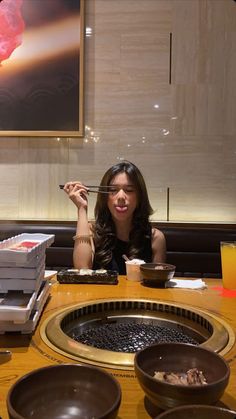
(158, 246)
(157, 234)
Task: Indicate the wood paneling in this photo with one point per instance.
(186, 142)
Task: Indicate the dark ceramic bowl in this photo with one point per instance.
(156, 274)
(198, 412)
(180, 357)
(65, 391)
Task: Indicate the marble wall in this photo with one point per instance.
(167, 103)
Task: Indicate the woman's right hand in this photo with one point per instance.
(78, 193)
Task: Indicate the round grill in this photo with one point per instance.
(109, 332)
(128, 337)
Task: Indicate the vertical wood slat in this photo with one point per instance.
(170, 59)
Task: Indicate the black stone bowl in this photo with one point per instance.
(198, 412)
(180, 357)
(65, 391)
(156, 274)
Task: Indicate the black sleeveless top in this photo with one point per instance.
(121, 248)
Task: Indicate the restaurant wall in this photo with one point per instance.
(165, 102)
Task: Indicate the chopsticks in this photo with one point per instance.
(93, 187)
(96, 191)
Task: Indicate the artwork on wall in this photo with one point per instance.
(41, 68)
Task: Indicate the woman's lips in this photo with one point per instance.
(120, 208)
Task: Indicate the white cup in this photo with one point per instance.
(133, 269)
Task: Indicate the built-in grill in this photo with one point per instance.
(109, 332)
(130, 336)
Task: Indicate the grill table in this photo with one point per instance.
(30, 352)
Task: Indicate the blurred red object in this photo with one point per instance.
(11, 27)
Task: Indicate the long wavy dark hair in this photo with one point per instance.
(104, 227)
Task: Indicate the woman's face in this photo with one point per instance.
(122, 199)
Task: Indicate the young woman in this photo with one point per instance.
(121, 226)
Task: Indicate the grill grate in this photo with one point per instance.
(128, 337)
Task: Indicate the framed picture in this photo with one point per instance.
(41, 68)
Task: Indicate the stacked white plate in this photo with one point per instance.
(23, 289)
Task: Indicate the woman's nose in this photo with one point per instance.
(121, 194)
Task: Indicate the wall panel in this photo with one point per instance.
(181, 135)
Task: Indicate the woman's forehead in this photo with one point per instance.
(121, 179)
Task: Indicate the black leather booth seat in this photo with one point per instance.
(193, 248)
(196, 250)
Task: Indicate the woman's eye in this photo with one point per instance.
(129, 190)
(113, 190)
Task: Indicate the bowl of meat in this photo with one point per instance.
(175, 374)
(156, 274)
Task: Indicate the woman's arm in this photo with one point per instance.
(158, 246)
(84, 246)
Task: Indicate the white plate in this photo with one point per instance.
(19, 284)
(30, 325)
(22, 273)
(17, 307)
(9, 252)
(49, 274)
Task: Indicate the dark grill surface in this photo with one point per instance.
(128, 337)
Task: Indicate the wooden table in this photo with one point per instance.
(30, 352)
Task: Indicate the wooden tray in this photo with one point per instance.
(71, 276)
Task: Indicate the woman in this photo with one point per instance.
(121, 226)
